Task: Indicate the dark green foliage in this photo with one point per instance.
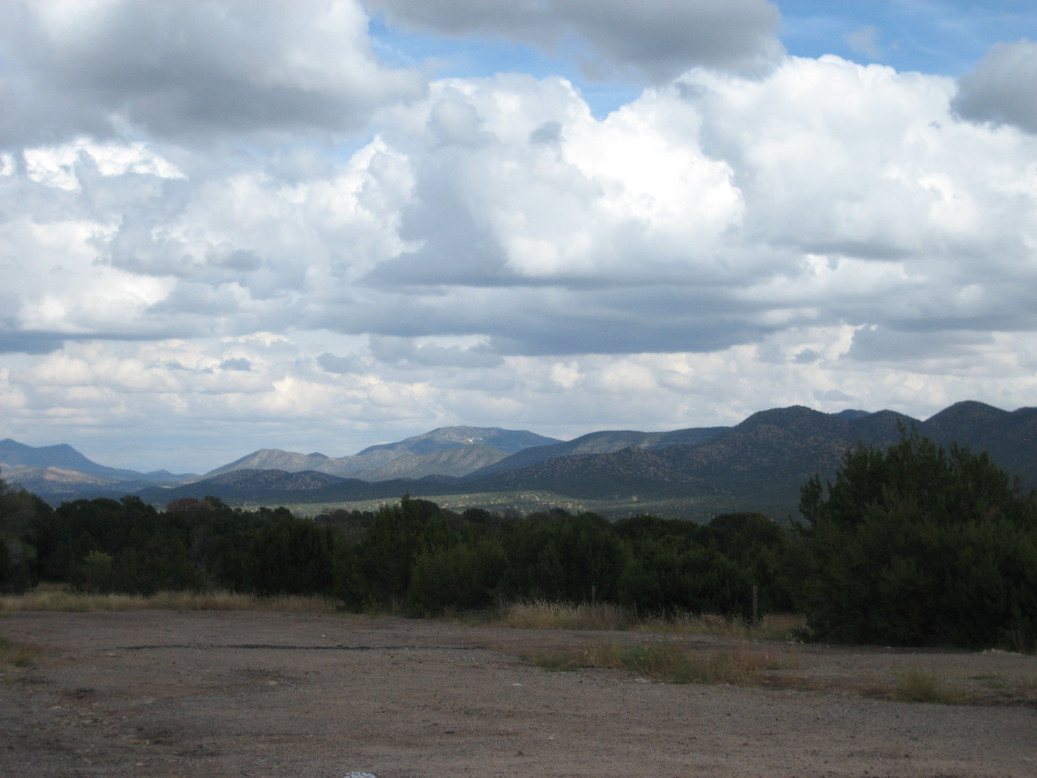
(377, 570)
(920, 546)
(460, 576)
(410, 554)
(82, 526)
(763, 551)
(289, 556)
(19, 513)
(348, 525)
(637, 531)
(562, 557)
(914, 545)
(158, 561)
(119, 546)
(196, 545)
(97, 573)
(665, 581)
(743, 535)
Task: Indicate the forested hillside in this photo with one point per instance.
(757, 466)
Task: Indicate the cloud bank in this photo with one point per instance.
(228, 225)
(653, 41)
(1000, 90)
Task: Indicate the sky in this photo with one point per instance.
(319, 225)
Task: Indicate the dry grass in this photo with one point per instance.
(15, 655)
(773, 626)
(604, 655)
(671, 662)
(925, 684)
(541, 614)
(537, 614)
(60, 599)
(664, 660)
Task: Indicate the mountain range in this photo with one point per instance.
(759, 465)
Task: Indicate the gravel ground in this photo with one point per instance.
(208, 694)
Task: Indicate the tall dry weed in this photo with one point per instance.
(544, 614)
(926, 684)
(670, 661)
(541, 614)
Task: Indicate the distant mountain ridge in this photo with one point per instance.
(605, 442)
(508, 441)
(274, 459)
(60, 472)
(445, 451)
(759, 464)
(61, 456)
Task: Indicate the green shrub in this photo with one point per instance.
(464, 576)
(97, 573)
(917, 684)
(915, 546)
(290, 556)
(664, 581)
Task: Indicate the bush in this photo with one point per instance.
(19, 512)
(667, 581)
(96, 573)
(289, 556)
(561, 557)
(463, 576)
(920, 546)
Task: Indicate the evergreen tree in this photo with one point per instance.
(289, 556)
(917, 545)
(19, 512)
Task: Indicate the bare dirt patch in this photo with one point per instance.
(153, 693)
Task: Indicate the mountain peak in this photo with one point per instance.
(970, 409)
(273, 459)
(794, 414)
(851, 414)
(510, 441)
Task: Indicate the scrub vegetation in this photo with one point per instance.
(671, 662)
(15, 655)
(912, 545)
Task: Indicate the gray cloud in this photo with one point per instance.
(338, 365)
(654, 40)
(1001, 87)
(236, 363)
(30, 342)
(190, 70)
(550, 320)
(884, 343)
(664, 38)
(404, 351)
(548, 132)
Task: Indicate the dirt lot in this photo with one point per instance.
(204, 694)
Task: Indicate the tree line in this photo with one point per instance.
(912, 545)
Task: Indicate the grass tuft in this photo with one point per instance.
(15, 655)
(920, 684)
(773, 626)
(670, 662)
(541, 614)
